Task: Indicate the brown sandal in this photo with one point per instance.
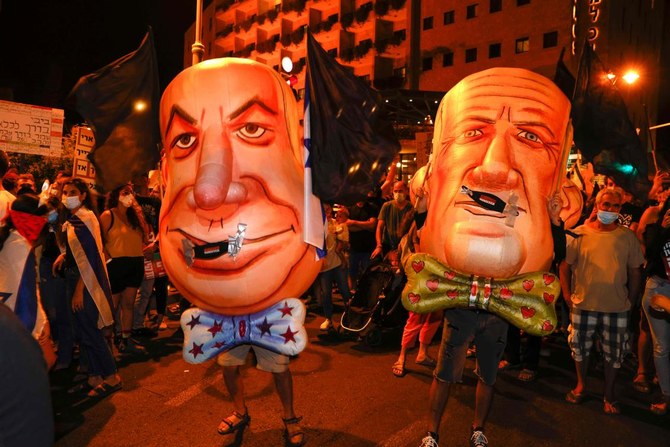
(611, 408)
(290, 435)
(227, 426)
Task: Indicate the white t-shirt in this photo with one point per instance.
(6, 199)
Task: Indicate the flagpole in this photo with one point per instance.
(198, 49)
(651, 138)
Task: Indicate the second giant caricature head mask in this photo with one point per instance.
(499, 132)
(231, 220)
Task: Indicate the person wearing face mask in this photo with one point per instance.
(601, 279)
(125, 234)
(52, 287)
(87, 288)
(390, 220)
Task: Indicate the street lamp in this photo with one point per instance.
(631, 76)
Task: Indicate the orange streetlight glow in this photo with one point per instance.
(631, 76)
(140, 106)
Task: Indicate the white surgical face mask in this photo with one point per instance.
(607, 217)
(71, 202)
(126, 201)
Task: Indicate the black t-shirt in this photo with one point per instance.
(657, 249)
(151, 207)
(629, 214)
(364, 240)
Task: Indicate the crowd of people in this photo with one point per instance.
(81, 281)
(101, 315)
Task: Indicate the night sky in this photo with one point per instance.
(47, 45)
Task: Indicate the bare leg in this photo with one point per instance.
(284, 385)
(610, 380)
(127, 307)
(580, 367)
(235, 386)
(483, 400)
(438, 397)
(423, 352)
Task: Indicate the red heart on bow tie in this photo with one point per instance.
(527, 312)
(414, 297)
(547, 326)
(506, 293)
(528, 284)
(452, 294)
(417, 266)
(449, 274)
(432, 284)
(548, 297)
(548, 279)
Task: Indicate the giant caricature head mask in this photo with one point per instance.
(233, 169)
(501, 132)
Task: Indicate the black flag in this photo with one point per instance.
(602, 129)
(352, 143)
(120, 103)
(563, 78)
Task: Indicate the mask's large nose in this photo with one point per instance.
(214, 186)
(497, 168)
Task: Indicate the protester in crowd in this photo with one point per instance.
(333, 270)
(601, 279)
(233, 171)
(125, 234)
(6, 197)
(87, 286)
(10, 181)
(154, 285)
(390, 219)
(362, 224)
(342, 235)
(498, 133)
(52, 286)
(655, 229)
(24, 232)
(26, 415)
(26, 184)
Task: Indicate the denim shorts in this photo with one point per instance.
(485, 330)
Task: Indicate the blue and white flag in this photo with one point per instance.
(314, 217)
(18, 283)
(83, 237)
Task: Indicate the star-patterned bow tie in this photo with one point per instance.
(526, 301)
(278, 328)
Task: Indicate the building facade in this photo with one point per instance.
(429, 45)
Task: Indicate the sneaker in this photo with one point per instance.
(162, 326)
(477, 438)
(430, 440)
(327, 324)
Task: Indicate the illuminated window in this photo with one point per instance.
(522, 45)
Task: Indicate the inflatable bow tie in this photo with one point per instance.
(278, 328)
(526, 301)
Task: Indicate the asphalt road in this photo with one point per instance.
(348, 397)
